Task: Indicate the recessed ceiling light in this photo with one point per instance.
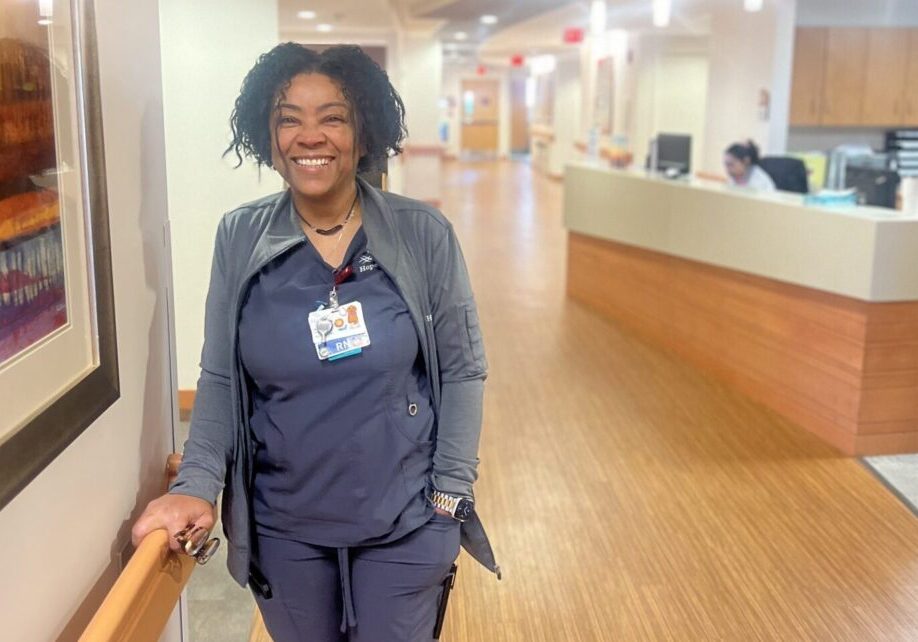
(488, 19)
(662, 11)
(460, 35)
(306, 15)
(44, 22)
(752, 5)
(324, 27)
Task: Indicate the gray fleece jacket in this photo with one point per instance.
(416, 247)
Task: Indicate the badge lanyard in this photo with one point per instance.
(339, 331)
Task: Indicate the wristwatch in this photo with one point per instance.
(460, 508)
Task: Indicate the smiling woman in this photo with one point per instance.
(339, 403)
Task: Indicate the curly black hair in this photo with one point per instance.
(378, 109)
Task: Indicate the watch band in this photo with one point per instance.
(444, 501)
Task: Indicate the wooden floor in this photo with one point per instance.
(630, 497)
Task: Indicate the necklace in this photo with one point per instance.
(331, 230)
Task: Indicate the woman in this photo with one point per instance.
(741, 160)
(339, 403)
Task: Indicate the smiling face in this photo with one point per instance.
(314, 142)
(736, 168)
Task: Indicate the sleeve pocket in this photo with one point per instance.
(473, 345)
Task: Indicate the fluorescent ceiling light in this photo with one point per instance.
(45, 8)
(752, 5)
(306, 15)
(460, 35)
(598, 17)
(488, 19)
(325, 28)
(44, 22)
(662, 10)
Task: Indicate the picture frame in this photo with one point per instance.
(56, 385)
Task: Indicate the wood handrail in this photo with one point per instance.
(143, 597)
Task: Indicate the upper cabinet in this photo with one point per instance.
(809, 71)
(846, 67)
(855, 77)
(911, 79)
(884, 89)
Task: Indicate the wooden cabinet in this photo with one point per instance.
(855, 77)
(910, 95)
(884, 87)
(809, 72)
(846, 72)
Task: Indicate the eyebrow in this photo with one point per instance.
(323, 107)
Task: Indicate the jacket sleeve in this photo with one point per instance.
(211, 440)
(463, 369)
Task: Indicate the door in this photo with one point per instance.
(884, 89)
(480, 112)
(845, 78)
(808, 79)
(519, 116)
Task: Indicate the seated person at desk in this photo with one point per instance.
(741, 160)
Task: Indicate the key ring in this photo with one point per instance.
(197, 543)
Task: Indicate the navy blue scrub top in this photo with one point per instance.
(343, 448)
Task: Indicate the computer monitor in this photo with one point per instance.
(674, 153)
(874, 186)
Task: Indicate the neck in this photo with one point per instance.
(327, 211)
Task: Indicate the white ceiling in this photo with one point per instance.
(536, 26)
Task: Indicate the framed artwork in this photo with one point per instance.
(58, 354)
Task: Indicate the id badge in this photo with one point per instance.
(339, 332)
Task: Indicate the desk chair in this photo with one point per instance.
(788, 173)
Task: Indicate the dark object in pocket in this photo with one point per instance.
(444, 599)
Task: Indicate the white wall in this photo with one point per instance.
(669, 82)
(418, 77)
(749, 52)
(61, 538)
(567, 114)
(207, 48)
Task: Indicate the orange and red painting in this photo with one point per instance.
(33, 298)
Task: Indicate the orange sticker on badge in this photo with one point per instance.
(352, 315)
(339, 323)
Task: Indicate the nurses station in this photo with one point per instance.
(809, 310)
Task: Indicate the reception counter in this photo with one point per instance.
(811, 311)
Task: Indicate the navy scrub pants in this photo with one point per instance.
(386, 593)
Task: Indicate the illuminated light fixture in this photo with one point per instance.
(488, 19)
(324, 27)
(306, 15)
(44, 22)
(662, 11)
(598, 17)
(460, 35)
(542, 64)
(753, 5)
(45, 8)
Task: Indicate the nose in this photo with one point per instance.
(310, 135)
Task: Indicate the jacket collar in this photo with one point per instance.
(284, 229)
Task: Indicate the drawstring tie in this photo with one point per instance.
(348, 614)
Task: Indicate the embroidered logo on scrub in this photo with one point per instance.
(366, 263)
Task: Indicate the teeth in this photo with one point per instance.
(311, 162)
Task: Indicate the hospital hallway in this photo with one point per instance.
(629, 496)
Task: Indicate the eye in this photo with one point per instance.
(287, 120)
(336, 119)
